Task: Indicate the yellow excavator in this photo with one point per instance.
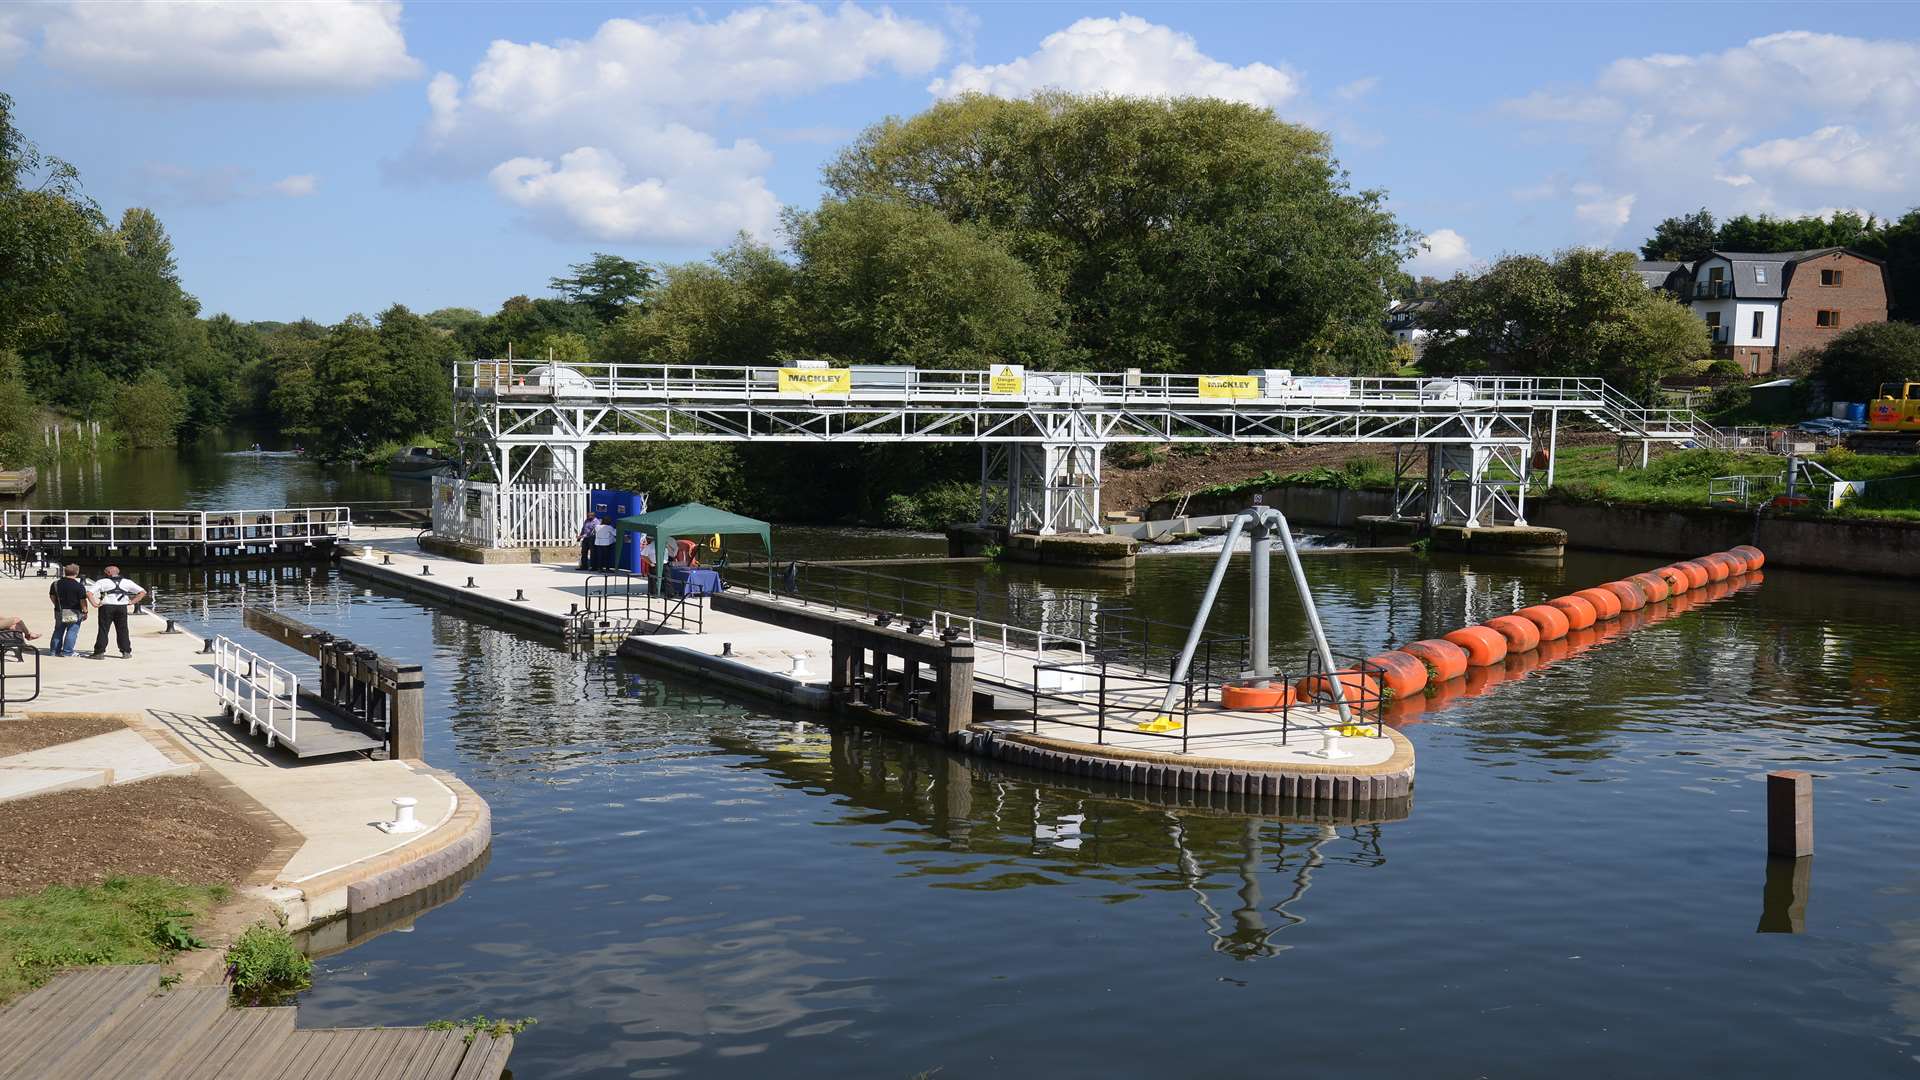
(1889, 412)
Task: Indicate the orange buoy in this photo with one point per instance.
(1443, 659)
(1754, 556)
(1630, 595)
(1482, 645)
(1696, 571)
(1552, 623)
(1242, 697)
(1606, 606)
(1736, 561)
(1401, 673)
(1717, 568)
(1521, 634)
(1355, 687)
(1653, 585)
(1676, 579)
(1578, 611)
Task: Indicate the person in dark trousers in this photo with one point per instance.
(605, 540)
(587, 529)
(112, 596)
(69, 610)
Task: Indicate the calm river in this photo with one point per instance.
(684, 883)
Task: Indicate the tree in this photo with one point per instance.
(1683, 238)
(606, 285)
(1767, 233)
(1900, 247)
(889, 282)
(1858, 361)
(148, 412)
(738, 309)
(1582, 313)
(46, 226)
(1180, 234)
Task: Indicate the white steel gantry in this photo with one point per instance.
(1041, 433)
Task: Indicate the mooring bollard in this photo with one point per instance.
(1790, 813)
(403, 819)
(520, 594)
(386, 560)
(470, 583)
(425, 570)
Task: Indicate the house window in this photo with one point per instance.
(1713, 318)
(1832, 278)
(1759, 324)
(1760, 275)
(1716, 273)
(1826, 317)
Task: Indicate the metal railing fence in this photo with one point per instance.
(252, 688)
(113, 530)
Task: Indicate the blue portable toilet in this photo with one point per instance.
(620, 504)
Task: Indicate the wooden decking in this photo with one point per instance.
(119, 1022)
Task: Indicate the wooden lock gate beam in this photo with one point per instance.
(357, 681)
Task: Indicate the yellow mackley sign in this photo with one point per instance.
(816, 380)
(1007, 379)
(1229, 386)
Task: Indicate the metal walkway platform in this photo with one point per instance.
(120, 1022)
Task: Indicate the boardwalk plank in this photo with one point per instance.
(209, 1056)
(347, 1051)
(109, 999)
(485, 1058)
(302, 1049)
(396, 1061)
(154, 1033)
(451, 1048)
(266, 1050)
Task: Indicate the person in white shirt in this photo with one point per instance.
(605, 538)
(112, 596)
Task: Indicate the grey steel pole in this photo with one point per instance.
(1206, 608)
(1313, 614)
(1260, 560)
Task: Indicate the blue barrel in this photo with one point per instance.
(1857, 412)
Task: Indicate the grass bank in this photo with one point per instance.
(124, 920)
(1680, 479)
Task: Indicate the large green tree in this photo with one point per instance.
(46, 226)
(1583, 312)
(1180, 234)
(606, 285)
(1682, 238)
(737, 309)
(884, 281)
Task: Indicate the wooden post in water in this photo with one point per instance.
(1789, 813)
(954, 688)
(407, 715)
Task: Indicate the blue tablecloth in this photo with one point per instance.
(692, 581)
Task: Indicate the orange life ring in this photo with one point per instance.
(1550, 621)
(1578, 611)
(1482, 645)
(1445, 660)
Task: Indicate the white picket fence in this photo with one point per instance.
(524, 515)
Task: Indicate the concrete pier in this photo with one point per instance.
(731, 643)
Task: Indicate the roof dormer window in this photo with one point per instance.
(1760, 275)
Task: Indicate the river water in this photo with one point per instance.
(686, 883)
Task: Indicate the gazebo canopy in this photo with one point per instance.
(690, 520)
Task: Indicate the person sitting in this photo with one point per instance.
(14, 624)
(686, 553)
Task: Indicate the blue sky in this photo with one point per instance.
(326, 158)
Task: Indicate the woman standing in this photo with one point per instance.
(69, 609)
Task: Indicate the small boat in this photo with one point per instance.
(418, 461)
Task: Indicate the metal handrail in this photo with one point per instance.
(116, 529)
(985, 632)
(14, 643)
(253, 688)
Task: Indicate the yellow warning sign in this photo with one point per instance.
(816, 380)
(1007, 379)
(1229, 386)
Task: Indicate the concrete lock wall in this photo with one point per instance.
(1890, 548)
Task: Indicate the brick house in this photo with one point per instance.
(1766, 308)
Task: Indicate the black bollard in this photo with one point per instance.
(520, 594)
(425, 570)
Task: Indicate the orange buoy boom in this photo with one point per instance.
(1550, 621)
(1521, 634)
(1483, 646)
(1578, 611)
(1444, 660)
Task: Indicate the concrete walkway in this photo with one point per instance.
(328, 810)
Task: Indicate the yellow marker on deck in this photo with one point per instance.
(1354, 731)
(1160, 723)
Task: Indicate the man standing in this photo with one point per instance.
(69, 610)
(112, 596)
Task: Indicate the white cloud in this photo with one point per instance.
(1444, 252)
(1357, 89)
(13, 40)
(1126, 55)
(166, 183)
(609, 137)
(1602, 217)
(1776, 123)
(178, 47)
(297, 186)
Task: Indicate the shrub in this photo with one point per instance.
(1725, 369)
(265, 967)
(1857, 361)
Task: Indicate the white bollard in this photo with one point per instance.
(799, 668)
(403, 819)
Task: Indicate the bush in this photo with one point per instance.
(148, 413)
(265, 967)
(934, 508)
(901, 511)
(1725, 369)
(1857, 362)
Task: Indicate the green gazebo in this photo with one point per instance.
(693, 520)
